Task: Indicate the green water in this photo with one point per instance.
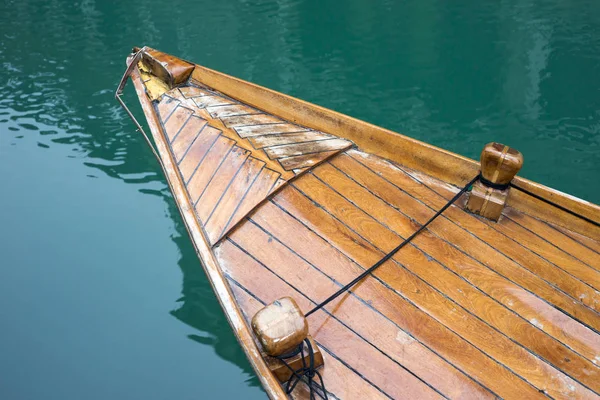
(101, 294)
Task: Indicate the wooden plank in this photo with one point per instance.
(264, 184)
(305, 160)
(230, 133)
(522, 267)
(248, 120)
(211, 100)
(440, 163)
(209, 263)
(562, 241)
(186, 137)
(346, 241)
(176, 121)
(298, 149)
(590, 243)
(166, 106)
(428, 265)
(500, 287)
(339, 379)
(433, 303)
(207, 167)
(233, 196)
(298, 137)
(269, 129)
(223, 176)
(193, 91)
(368, 320)
(231, 110)
(197, 151)
(551, 253)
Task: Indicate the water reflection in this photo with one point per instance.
(61, 63)
(198, 309)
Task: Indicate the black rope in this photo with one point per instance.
(583, 217)
(309, 372)
(493, 185)
(391, 253)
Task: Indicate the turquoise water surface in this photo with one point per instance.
(101, 293)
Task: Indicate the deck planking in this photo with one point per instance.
(470, 309)
(221, 149)
(449, 285)
(485, 244)
(332, 335)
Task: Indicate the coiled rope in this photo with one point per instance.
(307, 371)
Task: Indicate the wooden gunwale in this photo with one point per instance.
(439, 163)
(209, 263)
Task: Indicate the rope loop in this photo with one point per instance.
(499, 186)
(306, 373)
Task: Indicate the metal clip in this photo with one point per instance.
(132, 65)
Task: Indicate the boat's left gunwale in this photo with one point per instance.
(211, 266)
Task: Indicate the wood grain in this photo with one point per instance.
(261, 155)
(440, 163)
(211, 100)
(193, 91)
(268, 129)
(350, 316)
(208, 166)
(298, 149)
(187, 136)
(248, 120)
(508, 307)
(305, 160)
(176, 120)
(209, 263)
(557, 238)
(231, 110)
(265, 183)
(509, 260)
(197, 152)
(220, 181)
(166, 107)
(428, 265)
(551, 253)
(234, 194)
(276, 140)
(333, 338)
(449, 314)
(591, 243)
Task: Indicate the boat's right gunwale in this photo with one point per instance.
(439, 163)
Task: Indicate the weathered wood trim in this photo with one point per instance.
(209, 263)
(439, 163)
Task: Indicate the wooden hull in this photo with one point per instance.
(285, 198)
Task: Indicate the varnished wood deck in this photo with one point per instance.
(470, 309)
(458, 314)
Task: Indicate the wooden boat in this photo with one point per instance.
(286, 198)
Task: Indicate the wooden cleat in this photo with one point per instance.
(280, 326)
(499, 165)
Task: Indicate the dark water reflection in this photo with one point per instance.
(89, 234)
